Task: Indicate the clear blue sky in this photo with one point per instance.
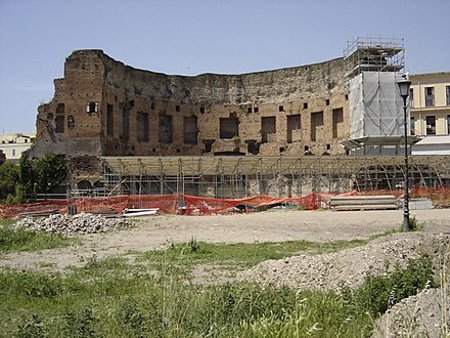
(190, 37)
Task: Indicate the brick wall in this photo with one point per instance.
(103, 107)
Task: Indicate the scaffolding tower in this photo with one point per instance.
(374, 55)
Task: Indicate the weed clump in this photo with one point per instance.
(378, 293)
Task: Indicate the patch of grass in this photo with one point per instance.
(107, 299)
(241, 254)
(26, 240)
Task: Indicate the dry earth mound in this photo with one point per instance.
(426, 314)
(346, 267)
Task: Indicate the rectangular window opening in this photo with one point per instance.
(338, 118)
(268, 129)
(60, 109)
(429, 96)
(92, 108)
(125, 130)
(431, 125)
(59, 124)
(229, 127)
(447, 91)
(109, 119)
(316, 124)
(143, 127)
(190, 130)
(165, 129)
(293, 123)
(448, 124)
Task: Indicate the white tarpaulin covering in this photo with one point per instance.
(376, 107)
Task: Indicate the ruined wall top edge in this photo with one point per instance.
(292, 83)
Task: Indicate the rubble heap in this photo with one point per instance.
(83, 223)
(348, 267)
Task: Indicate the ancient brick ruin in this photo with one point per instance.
(103, 107)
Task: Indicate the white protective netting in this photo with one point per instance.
(376, 108)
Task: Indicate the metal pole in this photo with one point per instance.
(406, 224)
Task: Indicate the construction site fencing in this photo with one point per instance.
(195, 205)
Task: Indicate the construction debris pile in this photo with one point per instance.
(82, 223)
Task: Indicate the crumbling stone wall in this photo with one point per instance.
(103, 107)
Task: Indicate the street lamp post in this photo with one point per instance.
(404, 85)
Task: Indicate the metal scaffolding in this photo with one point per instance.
(374, 55)
(240, 176)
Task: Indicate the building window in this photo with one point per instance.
(109, 119)
(411, 97)
(60, 109)
(429, 96)
(412, 126)
(448, 124)
(431, 125)
(92, 108)
(13, 152)
(142, 121)
(338, 118)
(229, 127)
(447, 90)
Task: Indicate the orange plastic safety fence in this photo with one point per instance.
(189, 205)
(167, 204)
(8, 211)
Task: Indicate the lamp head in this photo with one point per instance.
(404, 85)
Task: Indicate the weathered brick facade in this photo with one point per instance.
(103, 107)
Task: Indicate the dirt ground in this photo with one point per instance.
(275, 226)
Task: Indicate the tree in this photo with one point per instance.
(9, 177)
(27, 175)
(50, 171)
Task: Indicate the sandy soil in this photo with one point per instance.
(276, 226)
